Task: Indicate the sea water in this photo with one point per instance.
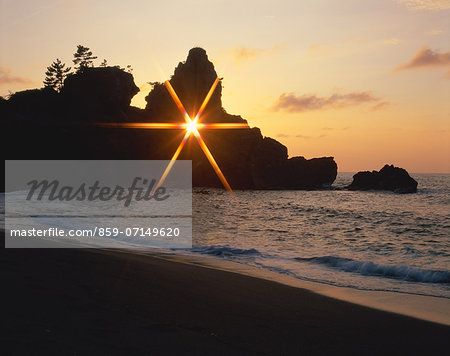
(373, 240)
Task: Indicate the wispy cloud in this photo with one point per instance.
(318, 47)
(347, 47)
(241, 54)
(325, 49)
(426, 4)
(391, 41)
(281, 135)
(426, 57)
(335, 128)
(381, 105)
(322, 50)
(291, 103)
(435, 32)
(7, 78)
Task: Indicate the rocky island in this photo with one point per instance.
(45, 124)
(388, 178)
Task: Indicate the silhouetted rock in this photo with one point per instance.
(32, 104)
(63, 126)
(248, 160)
(296, 173)
(101, 90)
(388, 178)
(191, 81)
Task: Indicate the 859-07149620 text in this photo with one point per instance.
(98, 232)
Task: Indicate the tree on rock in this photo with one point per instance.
(55, 75)
(83, 58)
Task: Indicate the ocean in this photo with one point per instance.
(367, 240)
(370, 240)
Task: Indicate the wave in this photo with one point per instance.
(367, 268)
(225, 251)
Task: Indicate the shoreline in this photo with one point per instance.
(72, 301)
(435, 309)
(425, 307)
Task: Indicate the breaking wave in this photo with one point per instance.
(367, 268)
(225, 251)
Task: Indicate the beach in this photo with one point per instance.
(92, 301)
(225, 178)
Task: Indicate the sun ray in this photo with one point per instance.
(173, 159)
(206, 100)
(174, 125)
(146, 125)
(222, 125)
(211, 160)
(191, 127)
(177, 100)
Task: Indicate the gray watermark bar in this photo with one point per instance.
(97, 203)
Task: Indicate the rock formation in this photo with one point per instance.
(101, 90)
(388, 178)
(191, 81)
(61, 126)
(248, 160)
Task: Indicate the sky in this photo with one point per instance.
(367, 82)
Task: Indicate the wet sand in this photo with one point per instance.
(85, 302)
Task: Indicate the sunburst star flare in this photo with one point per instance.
(192, 126)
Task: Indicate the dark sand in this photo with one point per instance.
(93, 302)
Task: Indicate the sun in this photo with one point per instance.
(191, 127)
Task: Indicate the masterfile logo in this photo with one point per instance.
(140, 189)
(98, 204)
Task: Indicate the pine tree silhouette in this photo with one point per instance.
(83, 58)
(55, 75)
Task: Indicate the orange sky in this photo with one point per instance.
(364, 81)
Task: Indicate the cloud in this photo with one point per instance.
(446, 75)
(291, 103)
(426, 57)
(7, 78)
(443, 131)
(318, 47)
(241, 54)
(337, 128)
(426, 4)
(391, 41)
(281, 135)
(343, 48)
(321, 50)
(324, 50)
(435, 32)
(380, 105)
